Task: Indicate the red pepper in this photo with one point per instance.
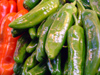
(6, 7)
(20, 4)
(8, 43)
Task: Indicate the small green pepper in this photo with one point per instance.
(40, 69)
(32, 32)
(76, 49)
(36, 15)
(32, 46)
(91, 25)
(95, 5)
(29, 63)
(55, 65)
(57, 34)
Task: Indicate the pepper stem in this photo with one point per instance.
(74, 3)
(75, 18)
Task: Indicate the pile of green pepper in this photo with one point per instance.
(58, 37)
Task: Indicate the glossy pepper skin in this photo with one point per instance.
(20, 51)
(57, 34)
(32, 46)
(39, 69)
(91, 25)
(95, 5)
(6, 7)
(98, 72)
(41, 55)
(29, 4)
(76, 49)
(29, 63)
(36, 15)
(7, 46)
(55, 65)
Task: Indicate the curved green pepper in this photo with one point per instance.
(29, 63)
(36, 15)
(40, 69)
(76, 49)
(57, 34)
(41, 55)
(95, 5)
(29, 4)
(32, 32)
(55, 65)
(91, 25)
(32, 46)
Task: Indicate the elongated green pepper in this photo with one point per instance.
(95, 5)
(36, 15)
(57, 34)
(41, 55)
(40, 69)
(76, 49)
(29, 4)
(91, 25)
(29, 63)
(20, 51)
(32, 46)
(32, 32)
(55, 65)
(80, 10)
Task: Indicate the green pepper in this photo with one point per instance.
(57, 34)
(32, 46)
(17, 68)
(91, 25)
(20, 51)
(76, 49)
(29, 4)
(36, 15)
(95, 5)
(29, 63)
(65, 68)
(55, 65)
(40, 69)
(80, 10)
(86, 3)
(98, 72)
(40, 28)
(41, 55)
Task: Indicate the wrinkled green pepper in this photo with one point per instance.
(57, 34)
(29, 4)
(39, 69)
(95, 5)
(91, 25)
(36, 15)
(20, 51)
(41, 55)
(29, 63)
(32, 32)
(32, 46)
(55, 65)
(76, 49)
(18, 68)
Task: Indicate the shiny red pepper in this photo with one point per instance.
(8, 43)
(7, 7)
(20, 5)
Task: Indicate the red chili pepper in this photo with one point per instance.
(8, 43)
(20, 4)
(6, 7)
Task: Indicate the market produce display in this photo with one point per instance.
(49, 37)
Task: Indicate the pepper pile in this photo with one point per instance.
(56, 37)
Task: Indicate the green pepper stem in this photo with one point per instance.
(74, 3)
(75, 18)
